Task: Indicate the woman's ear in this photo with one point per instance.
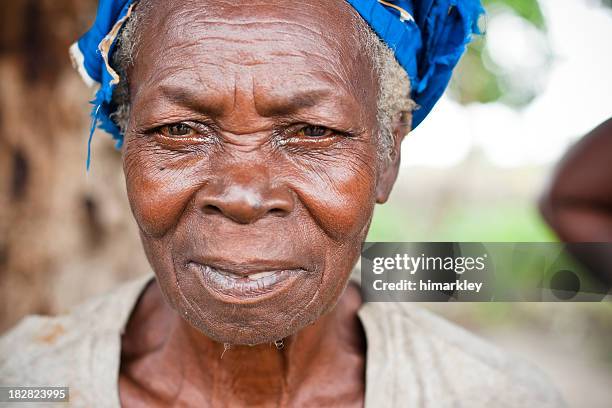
(401, 126)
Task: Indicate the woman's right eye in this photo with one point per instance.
(177, 130)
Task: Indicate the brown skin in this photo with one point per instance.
(251, 148)
(578, 202)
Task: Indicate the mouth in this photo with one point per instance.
(244, 284)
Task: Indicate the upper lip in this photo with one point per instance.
(247, 268)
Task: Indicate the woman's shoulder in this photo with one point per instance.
(448, 364)
(72, 349)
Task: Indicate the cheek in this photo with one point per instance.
(157, 190)
(340, 197)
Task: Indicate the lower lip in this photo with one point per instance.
(229, 287)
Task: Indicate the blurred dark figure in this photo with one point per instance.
(578, 202)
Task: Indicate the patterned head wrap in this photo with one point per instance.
(427, 37)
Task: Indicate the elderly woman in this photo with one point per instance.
(257, 138)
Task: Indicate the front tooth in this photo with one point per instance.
(260, 275)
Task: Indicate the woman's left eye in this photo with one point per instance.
(177, 130)
(314, 131)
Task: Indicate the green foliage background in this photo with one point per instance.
(478, 78)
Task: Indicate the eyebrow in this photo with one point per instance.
(269, 105)
(282, 105)
(197, 101)
(324, 100)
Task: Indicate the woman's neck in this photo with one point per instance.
(165, 357)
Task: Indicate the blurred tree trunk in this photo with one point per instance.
(65, 234)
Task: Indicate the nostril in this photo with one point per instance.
(277, 212)
(212, 209)
(244, 204)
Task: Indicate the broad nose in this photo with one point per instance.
(245, 197)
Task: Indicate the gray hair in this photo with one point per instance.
(394, 84)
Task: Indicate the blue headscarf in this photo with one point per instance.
(427, 37)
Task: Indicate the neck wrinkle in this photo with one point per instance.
(244, 368)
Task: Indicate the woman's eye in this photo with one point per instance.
(314, 131)
(177, 130)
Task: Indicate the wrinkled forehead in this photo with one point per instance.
(305, 23)
(305, 41)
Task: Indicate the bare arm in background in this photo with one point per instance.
(578, 202)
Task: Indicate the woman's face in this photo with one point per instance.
(251, 160)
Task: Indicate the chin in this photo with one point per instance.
(233, 312)
(249, 325)
(249, 334)
(249, 303)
